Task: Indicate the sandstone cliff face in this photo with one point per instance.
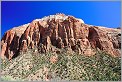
(61, 31)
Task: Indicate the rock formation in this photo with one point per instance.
(61, 31)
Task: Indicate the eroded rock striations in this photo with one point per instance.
(60, 31)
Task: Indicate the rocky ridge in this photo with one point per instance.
(60, 31)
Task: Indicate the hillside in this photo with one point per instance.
(60, 47)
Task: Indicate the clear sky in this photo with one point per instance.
(94, 13)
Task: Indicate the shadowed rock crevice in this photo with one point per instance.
(93, 38)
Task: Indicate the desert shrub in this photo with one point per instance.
(6, 78)
(99, 67)
(9, 78)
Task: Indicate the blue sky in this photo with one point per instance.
(94, 13)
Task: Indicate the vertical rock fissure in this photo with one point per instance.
(93, 38)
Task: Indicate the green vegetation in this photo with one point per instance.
(100, 67)
(9, 78)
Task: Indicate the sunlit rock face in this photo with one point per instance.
(56, 32)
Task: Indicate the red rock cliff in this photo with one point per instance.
(61, 31)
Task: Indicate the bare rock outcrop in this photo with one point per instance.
(61, 31)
